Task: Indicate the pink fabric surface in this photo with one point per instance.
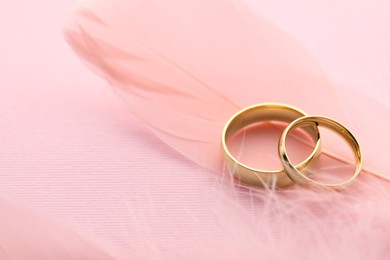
(71, 151)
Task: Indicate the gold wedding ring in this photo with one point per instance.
(262, 113)
(294, 172)
(290, 173)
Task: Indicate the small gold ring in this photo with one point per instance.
(294, 172)
(255, 114)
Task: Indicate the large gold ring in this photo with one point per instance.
(294, 172)
(255, 114)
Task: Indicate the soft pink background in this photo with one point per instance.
(70, 150)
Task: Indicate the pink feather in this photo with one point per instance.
(184, 67)
(185, 73)
(194, 72)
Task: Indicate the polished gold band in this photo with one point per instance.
(256, 114)
(295, 173)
